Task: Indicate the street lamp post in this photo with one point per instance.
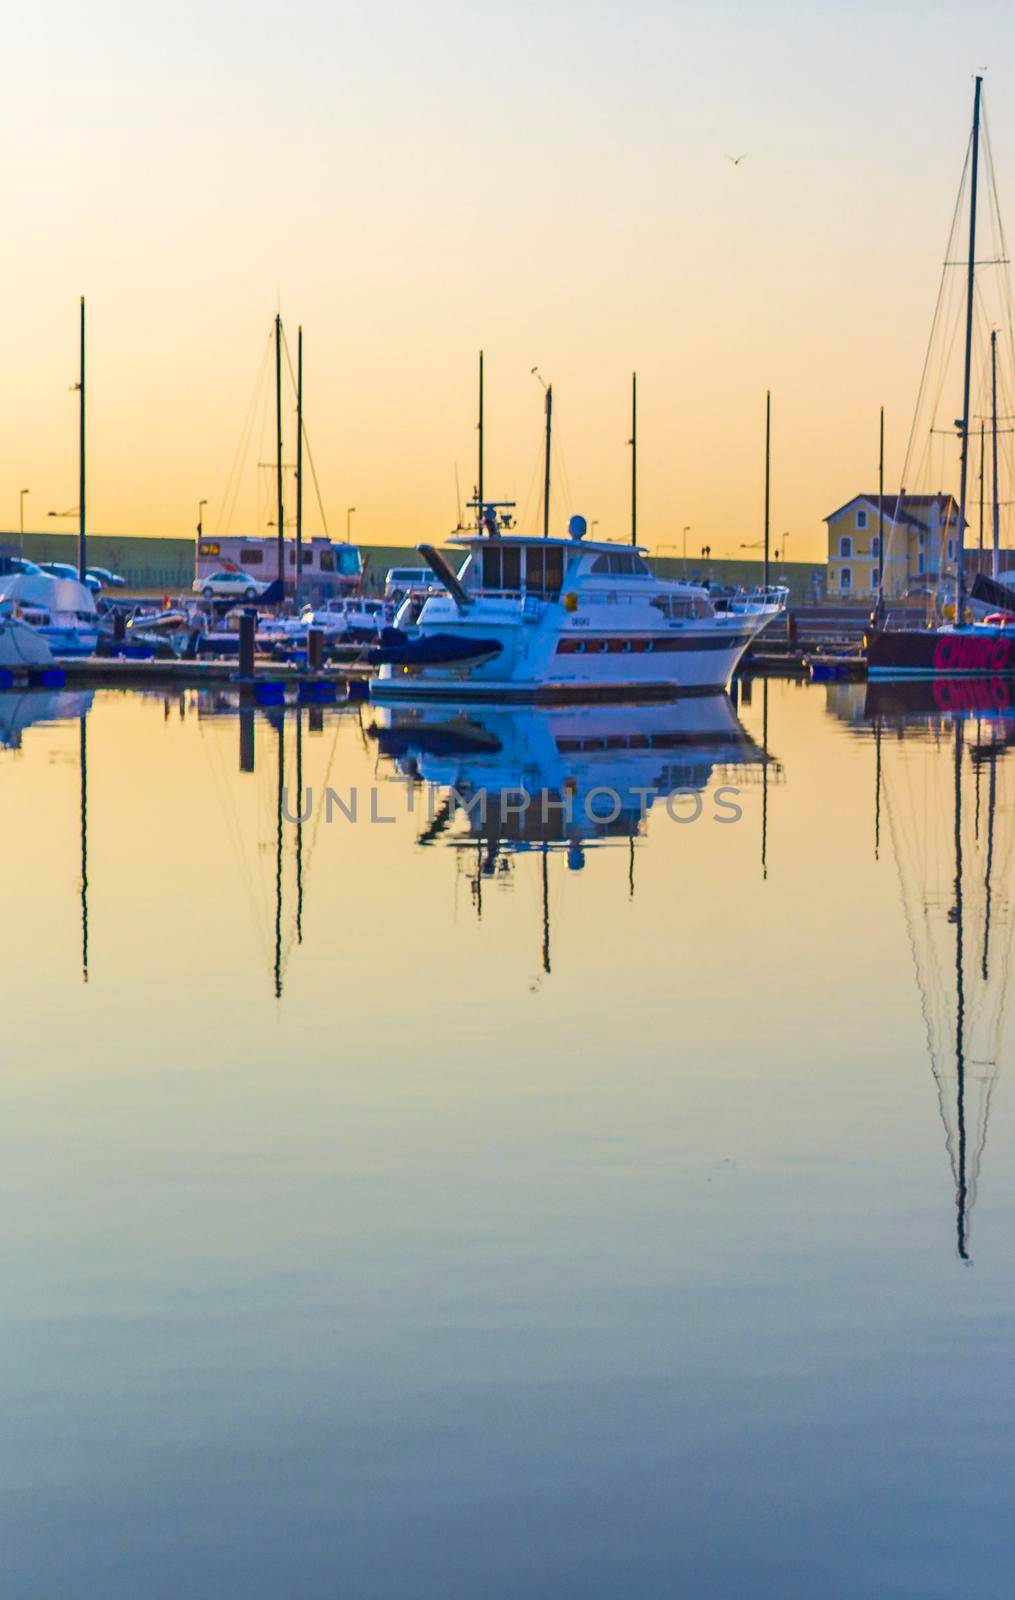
(21, 517)
(348, 523)
(686, 532)
(200, 517)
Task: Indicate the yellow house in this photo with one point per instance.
(920, 532)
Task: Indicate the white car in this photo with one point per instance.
(229, 586)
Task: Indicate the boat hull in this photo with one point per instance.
(951, 653)
(22, 646)
(602, 667)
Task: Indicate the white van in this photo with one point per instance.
(400, 581)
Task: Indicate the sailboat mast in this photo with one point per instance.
(982, 460)
(299, 464)
(881, 505)
(82, 535)
(482, 441)
(768, 469)
(960, 565)
(278, 448)
(996, 552)
(634, 458)
(546, 470)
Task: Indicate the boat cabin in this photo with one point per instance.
(517, 566)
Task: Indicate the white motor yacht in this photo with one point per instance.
(550, 618)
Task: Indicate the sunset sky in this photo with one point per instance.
(414, 182)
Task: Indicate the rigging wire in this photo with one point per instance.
(225, 516)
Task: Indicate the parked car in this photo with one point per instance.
(108, 580)
(63, 569)
(17, 566)
(229, 586)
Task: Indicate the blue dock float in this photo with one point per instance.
(32, 677)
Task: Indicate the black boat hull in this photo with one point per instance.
(928, 653)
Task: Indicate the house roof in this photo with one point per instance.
(908, 509)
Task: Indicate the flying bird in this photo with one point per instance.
(736, 160)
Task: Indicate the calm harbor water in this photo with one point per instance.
(431, 1205)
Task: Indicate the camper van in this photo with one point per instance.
(329, 568)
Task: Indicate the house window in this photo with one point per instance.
(951, 549)
(209, 547)
(875, 547)
(921, 564)
(845, 547)
(923, 540)
(251, 558)
(845, 579)
(861, 520)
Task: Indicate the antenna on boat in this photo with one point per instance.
(549, 436)
(633, 441)
(960, 564)
(278, 448)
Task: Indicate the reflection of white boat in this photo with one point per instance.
(21, 710)
(567, 773)
(20, 645)
(60, 610)
(561, 618)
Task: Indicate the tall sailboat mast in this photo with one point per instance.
(634, 458)
(278, 448)
(546, 470)
(299, 464)
(881, 505)
(996, 549)
(960, 565)
(479, 464)
(768, 471)
(82, 534)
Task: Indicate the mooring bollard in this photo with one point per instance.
(315, 649)
(248, 629)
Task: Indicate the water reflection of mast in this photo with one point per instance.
(764, 779)
(278, 856)
(964, 1014)
(961, 1192)
(546, 909)
(991, 809)
(299, 821)
(877, 788)
(83, 763)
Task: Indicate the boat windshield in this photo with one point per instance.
(516, 568)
